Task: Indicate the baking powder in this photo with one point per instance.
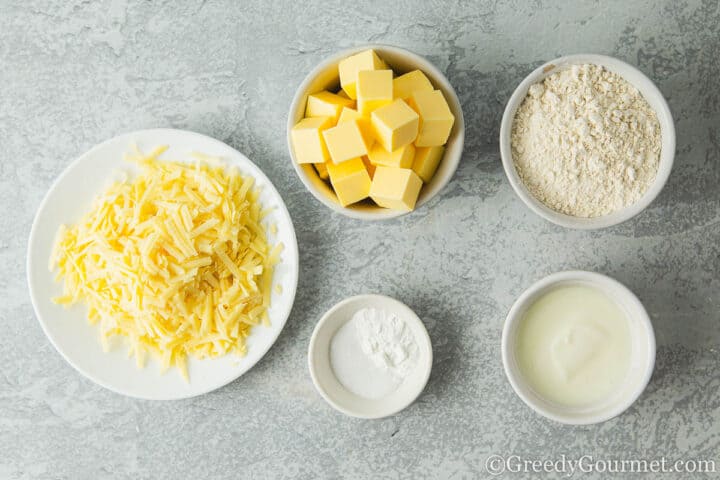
(373, 353)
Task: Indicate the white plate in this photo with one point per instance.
(330, 387)
(68, 329)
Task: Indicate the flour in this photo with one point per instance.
(585, 142)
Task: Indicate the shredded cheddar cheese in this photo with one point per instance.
(176, 260)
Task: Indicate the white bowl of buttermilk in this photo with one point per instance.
(578, 347)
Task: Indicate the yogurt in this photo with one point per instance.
(574, 346)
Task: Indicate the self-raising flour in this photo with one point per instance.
(585, 142)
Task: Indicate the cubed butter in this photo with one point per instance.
(426, 161)
(326, 104)
(395, 125)
(350, 180)
(405, 85)
(369, 166)
(396, 188)
(343, 94)
(345, 141)
(308, 142)
(349, 68)
(399, 158)
(322, 170)
(436, 119)
(374, 89)
(348, 114)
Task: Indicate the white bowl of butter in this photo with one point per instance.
(326, 77)
(578, 347)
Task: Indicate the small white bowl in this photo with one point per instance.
(651, 94)
(642, 357)
(330, 387)
(325, 76)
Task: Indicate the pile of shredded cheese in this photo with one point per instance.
(176, 260)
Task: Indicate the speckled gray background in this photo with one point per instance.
(75, 73)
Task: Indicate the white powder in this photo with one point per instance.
(373, 353)
(386, 339)
(585, 142)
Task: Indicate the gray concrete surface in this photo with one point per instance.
(75, 73)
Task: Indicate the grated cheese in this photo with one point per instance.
(175, 260)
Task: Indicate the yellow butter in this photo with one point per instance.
(396, 188)
(369, 166)
(308, 142)
(326, 104)
(343, 94)
(322, 170)
(350, 180)
(345, 141)
(405, 85)
(426, 161)
(395, 125)
(348, 114)
(401, 158)
(374, 89)
(436, 119)
(348, 69)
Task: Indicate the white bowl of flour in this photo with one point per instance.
(587, 141)
(370, 356)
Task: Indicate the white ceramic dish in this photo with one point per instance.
(653, 96)
(325, 76)
(642, 356)
(334, 392)
(68, 329)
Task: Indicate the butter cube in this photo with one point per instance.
(349, 68)
(436, 120)
(307, 140)
(369, 166)
(399, 158)
(326, 104)
(396, 188)
(343, 94)
(374, 89)
(345, 142)
(405, 85)
(348, 114)
(321, 170)
(350, 180)
(395, 125)
(426, 161)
